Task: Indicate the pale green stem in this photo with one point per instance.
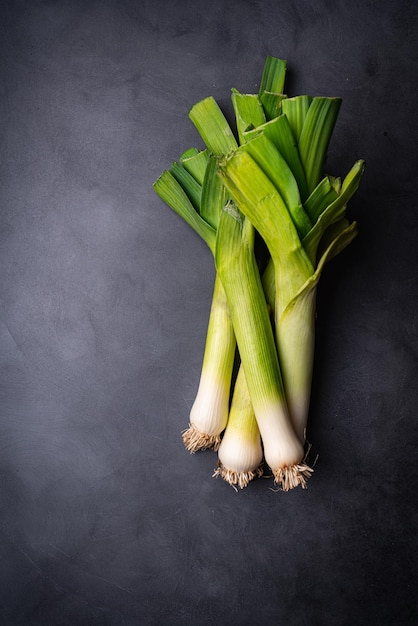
(209, 413)
(295, 340)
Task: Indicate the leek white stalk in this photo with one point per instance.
(240, 455)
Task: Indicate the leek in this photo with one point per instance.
(210, 410)
(209, 413)
(240, 455)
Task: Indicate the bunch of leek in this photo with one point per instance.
(266, 182)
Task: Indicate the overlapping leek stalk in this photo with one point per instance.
(237, 267)
(250, 175)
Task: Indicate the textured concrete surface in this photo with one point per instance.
(105, 519)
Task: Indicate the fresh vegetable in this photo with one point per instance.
(265, 183)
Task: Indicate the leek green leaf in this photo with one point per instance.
(172, 193)
(248, 112)
(295, 110)
(315, 137)
(195, 162)
(213, 126)
(280, 134)
(189, 184)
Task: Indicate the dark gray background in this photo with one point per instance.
(105, 519)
